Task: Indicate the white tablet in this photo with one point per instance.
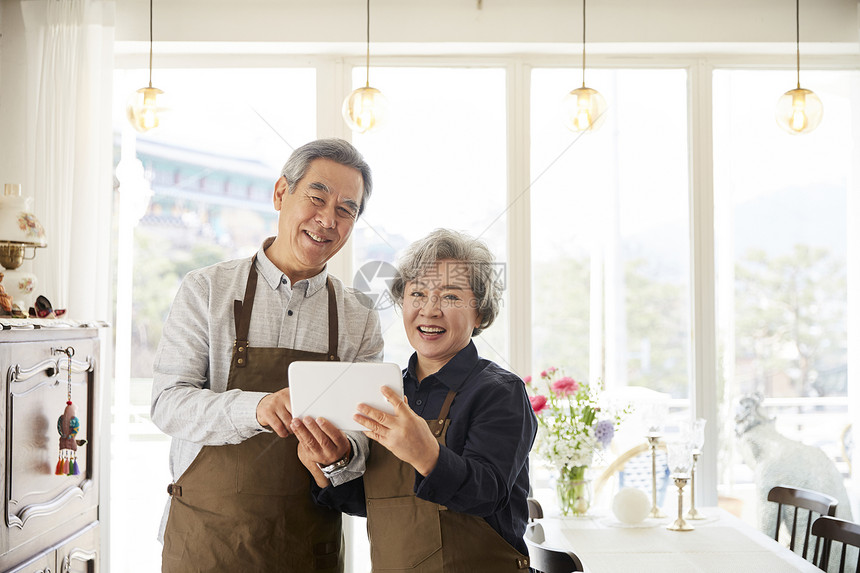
(332, 390)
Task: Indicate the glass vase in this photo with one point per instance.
(573, 488)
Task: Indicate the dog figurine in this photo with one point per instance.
(778, 460)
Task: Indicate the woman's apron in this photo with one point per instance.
(410, 534)
(248, 506)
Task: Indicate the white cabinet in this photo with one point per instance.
(50, 522)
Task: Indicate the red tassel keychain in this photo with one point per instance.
(68, 426)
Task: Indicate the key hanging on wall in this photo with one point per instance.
(68, 426)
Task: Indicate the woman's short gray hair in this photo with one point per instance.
(339, 151)
(445, 244)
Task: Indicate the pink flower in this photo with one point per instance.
(543, 374)
(538, 403)
(527, 380)
(552, 369)
(565, 386)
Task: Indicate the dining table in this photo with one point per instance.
(719, 543)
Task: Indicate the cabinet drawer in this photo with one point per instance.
(77, 555)
(80, 555)
(46, 563)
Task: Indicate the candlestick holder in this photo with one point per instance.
(655, 512)
(679, 524)
(694, 513)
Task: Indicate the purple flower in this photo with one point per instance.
(604, 431)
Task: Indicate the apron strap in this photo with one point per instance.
(332, 321)
(443, 413)
(438, 425)
(242, 316)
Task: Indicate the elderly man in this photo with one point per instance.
(240, 498)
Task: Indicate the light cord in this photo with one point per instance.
(797, 12)
(150, 43)
(367, 66)
(583, 43)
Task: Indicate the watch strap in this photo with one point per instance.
(339, 464)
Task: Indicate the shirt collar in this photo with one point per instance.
(455, 371)
(273, 274)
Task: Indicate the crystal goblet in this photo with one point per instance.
(680, 454)
(697, 437)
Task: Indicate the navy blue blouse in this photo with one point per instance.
(483, 470)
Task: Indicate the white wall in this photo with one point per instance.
(526, 21)
(13, 86)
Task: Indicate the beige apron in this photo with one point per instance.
(247, 507)
(410, 534)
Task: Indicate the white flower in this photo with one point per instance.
(566, 434)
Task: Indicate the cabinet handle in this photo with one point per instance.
(81, 555)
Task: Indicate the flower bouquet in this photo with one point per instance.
(572, 426)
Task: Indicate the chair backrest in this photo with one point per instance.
(832, 529)
(544, 559)
(800, 499)
(633, 469)
(535, 510)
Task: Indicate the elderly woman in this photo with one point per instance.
(446, 480)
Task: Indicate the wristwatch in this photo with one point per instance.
(339, 464)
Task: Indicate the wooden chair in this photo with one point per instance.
(535, 510)
(811, 501)
(832, 529)
(544, 559)
(633, 468)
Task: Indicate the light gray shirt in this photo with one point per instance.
(190, 400)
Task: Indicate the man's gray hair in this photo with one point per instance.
(445, 244)
(337, 150)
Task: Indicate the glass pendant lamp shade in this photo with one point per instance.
(365, 109)
(143, 109)
(584, 109)
(799, 111)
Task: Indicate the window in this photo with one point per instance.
(610, 232)
(194, 192)
(782, 259)
(440, 162)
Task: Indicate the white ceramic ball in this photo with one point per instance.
(631, 505)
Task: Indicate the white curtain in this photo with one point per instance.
(69, 149)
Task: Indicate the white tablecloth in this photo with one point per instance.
(720, 544)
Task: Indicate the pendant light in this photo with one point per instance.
(143, 109)
(364, 110)
(799, 111)
(584, 108)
